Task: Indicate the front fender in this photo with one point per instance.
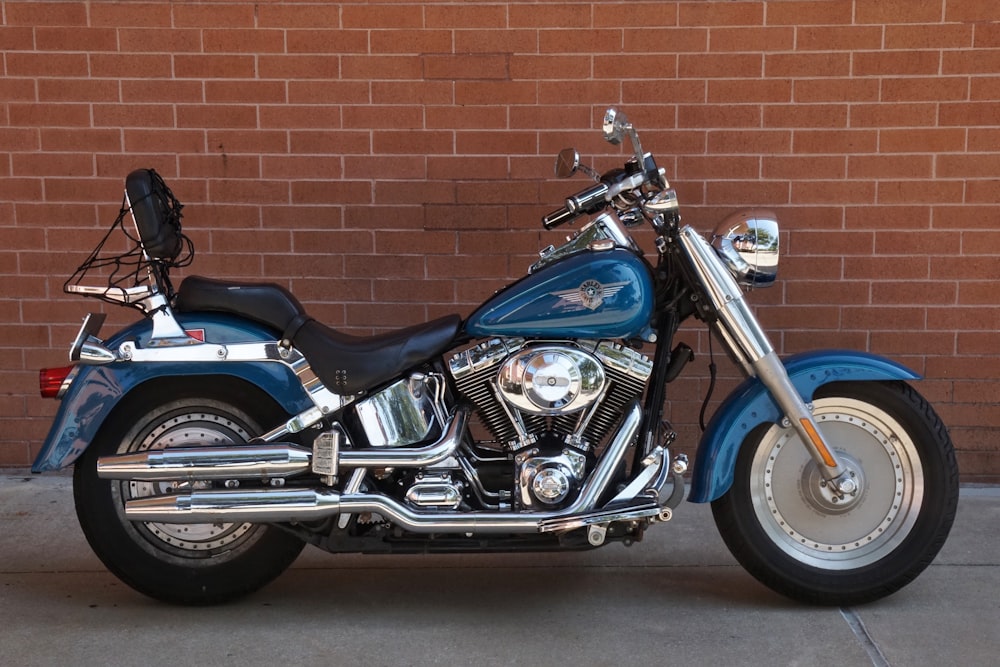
(751, 405)
(96, 390)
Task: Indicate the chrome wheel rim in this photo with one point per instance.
(809, 522)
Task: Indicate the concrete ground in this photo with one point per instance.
(678, 597)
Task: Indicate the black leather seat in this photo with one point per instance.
(345, 364)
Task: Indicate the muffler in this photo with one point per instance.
(292, 505)
(207, 463)
(269, 460)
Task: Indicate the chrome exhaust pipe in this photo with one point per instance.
(259, 461)
(206, 463)
(410, 457)
(289, 505)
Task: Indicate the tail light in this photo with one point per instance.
(53, 382)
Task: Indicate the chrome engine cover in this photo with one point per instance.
(477, 371)
(551, 380)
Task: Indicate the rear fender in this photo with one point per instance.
(751, 405)
(96, 390)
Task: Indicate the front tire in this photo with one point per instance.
(177, 563)
(784, 525)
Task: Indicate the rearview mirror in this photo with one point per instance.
(567, 162)
(615, 126)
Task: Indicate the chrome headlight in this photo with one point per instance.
(747, 242)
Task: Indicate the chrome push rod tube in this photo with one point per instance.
(286, 505)
(743, 332)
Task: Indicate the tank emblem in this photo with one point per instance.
(590, 294)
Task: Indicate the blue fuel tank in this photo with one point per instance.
(591, 294)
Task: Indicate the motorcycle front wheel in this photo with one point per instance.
(177, 563)
(790, 530)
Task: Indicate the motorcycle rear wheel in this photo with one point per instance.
(182, 564)
(788, 529)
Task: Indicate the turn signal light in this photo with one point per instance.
(51, 381)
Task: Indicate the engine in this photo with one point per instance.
(550, 405)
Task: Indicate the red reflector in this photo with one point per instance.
(50, 380)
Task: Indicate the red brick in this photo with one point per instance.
(812, 12)
(935, 36)
(717, 167)
(414, 192)
(904, 216)
(212, 15)
(745, 39)
(969, 11)
(47, 64)
(832, 192)
(326, 41)
(807, 65)
(550, 66)
(806, 115)
(734, 115)
(297, 15)
(293, 67)
(917, 140)
(497, 92)
(411, 41)
(884, 317)
(983, 192)
(722, 91)
(216, 116)
(787, 167)
(154, 15)
(459, 16)
(836, 90)
(496, 41)
(466, 66)
(681, 40)
(985, 88)
(899, 11)
(711, 65)
(49, 115)
(599, 40)
(159, 40)
(377, 167)
(886, 63)
(750, 141)
(75, 39)
(836, 38)
(911, 192)
(416, 92)
(878, 167)
(970, 61)
(46, 13)
(721, 13)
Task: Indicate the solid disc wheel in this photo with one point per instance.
(794, 532)
(178, 563)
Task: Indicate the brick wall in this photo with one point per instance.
(389, 162)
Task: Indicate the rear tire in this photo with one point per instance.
(789, 531)
(177, 563)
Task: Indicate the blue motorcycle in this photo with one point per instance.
(227, 428)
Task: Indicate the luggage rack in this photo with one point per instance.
(138, 276)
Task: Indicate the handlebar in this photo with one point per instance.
(594, 198)
(558, 217)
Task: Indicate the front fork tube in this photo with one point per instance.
(743, 335)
